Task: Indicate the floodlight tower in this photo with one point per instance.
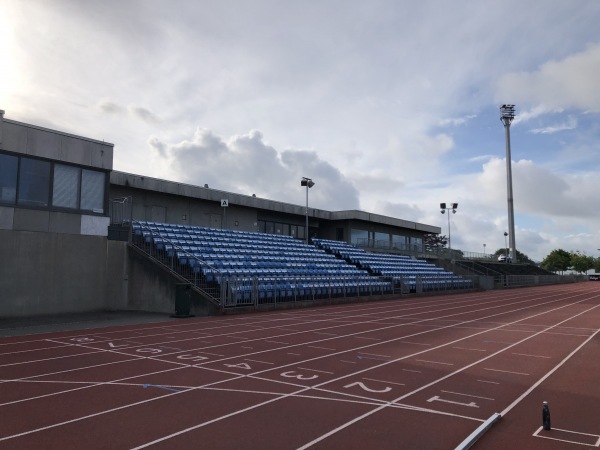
(308, 183)
(507, 114)
(443, 208)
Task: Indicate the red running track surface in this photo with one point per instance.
(421, 372)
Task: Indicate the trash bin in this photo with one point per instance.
(183, 300)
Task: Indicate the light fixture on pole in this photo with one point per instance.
(451, 207)
(308, 183)
(507, 114)
(484, 249)
(505, 245)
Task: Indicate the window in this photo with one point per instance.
(8, 178)
(359, 237)
(42, 184)
(34, 182)
(65, 189)
(92, 191)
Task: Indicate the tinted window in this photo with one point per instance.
(34, 182)
(8, 178)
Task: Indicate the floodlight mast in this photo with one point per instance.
(507, 114)
(443, 208)
(308, 183)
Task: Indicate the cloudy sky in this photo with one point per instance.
(390, 106)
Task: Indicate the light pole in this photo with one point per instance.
(308, 183)
(507, 114)
(505, 246)
(443, 209)
(483, 249)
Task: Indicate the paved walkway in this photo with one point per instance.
(21, 326)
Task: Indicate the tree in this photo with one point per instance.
(557, 260)
(580, 262)
(434, 242)
(597, 265)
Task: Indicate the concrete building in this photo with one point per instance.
(58, 193)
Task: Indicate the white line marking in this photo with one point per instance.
(506, 371)
(321, 348)
(383, 381)
(247, 348)
(409, 370)
(470, 349)
(315, 370)
(294, 354)
(434, 362)
(439, 399)
(375, 354)
(533, 356)
(277, 342)
(327, 334)
(486, 381)
(468, 395)
(262, 362)
(365, 337)
(415, 343)
(541, 380)
(596, 444)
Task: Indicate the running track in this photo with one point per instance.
(417, 372)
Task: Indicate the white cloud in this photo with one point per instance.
(569, 124)
(571, 82)
(246, 164)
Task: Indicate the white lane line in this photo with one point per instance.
(468, 395)
(506, 371)
(434, 362)
(470, 349)
(375, 354)
(365, 337)
(532, 356)
(277, 342)
(326, 334)
(409, 370)
(558, 366)
(462, 369)
(415, 343)
(247, 348)
(257, 361)
(315, 370)
(487, 381)
(321, 348)
(294, 354)
(383, 381)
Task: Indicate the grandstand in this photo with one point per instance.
(77, 236)
(240, 268)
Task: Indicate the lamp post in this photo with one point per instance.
(483, 249)
(507, 114)
(452, 207)
(308, 183)
(505, 245)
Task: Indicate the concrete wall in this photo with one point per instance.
(41, 142)
(152, 288)
(49, 273)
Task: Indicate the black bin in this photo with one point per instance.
(183, 300)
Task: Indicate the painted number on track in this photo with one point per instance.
(292, 374)
(364, 387)
(192, 357)
(244, 366)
